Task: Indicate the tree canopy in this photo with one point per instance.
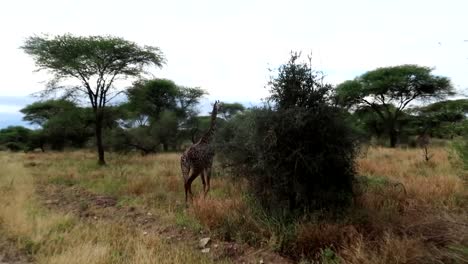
(298, 85)
(388, 91)
(230, 109)
(95, 62)
(38, 113)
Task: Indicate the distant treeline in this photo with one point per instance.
(158, 115)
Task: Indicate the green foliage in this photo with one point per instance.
(38, 113)
(299, 155)
(444, 119)
(228, 110)
(297, 85)
(459, 106)
(14, 146)
(147, 99)
(94, 62)
(63, 123)
(152, 97)
(82, 57)
(135, 138)
(37, 139)
(328, 256)
(388, 91)
(461, 147)
(14, 134)
(159, 114)
(15, 138)
(166, 129)
(198, 125)
(184, 220)
(368, 122)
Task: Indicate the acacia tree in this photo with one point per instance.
(443, 119)
(61, 121)
(89, 67)
(388, 91)
(231, 109)
(147, 99)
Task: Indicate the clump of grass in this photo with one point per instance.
(184, 220)
(213, 213)
(229, 218)
(312, 238)
(388, 249)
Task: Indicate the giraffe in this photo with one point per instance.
(198, 158)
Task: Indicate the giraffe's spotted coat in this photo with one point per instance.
(198, 158)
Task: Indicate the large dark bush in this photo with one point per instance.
(298, 153)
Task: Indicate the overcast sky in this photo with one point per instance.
(226, 47)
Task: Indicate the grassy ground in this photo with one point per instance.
(63, 208)
(31, 232)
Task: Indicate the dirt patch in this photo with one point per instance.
(9, 253)
(93, 207)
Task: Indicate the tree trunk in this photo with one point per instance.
(393, 138)
(99, 145)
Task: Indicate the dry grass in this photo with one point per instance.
(390, 249)
(19, 214)
(50, 237)
(213, 213)
(436, 183)
(420, 223)
(104, 242)
(407, 211)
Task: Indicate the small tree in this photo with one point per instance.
(388, 91)
(298, 154)
(95, 62)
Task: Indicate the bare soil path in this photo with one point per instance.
(93, 207)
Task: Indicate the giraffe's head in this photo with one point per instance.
(217, 106)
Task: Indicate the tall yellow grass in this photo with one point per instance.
(19, 212)
(413, 211)
(52, 237)
(437, 182)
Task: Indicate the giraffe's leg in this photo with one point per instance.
(193, 175)
(185, 176)
(186, 197)
(203, 178)
(208, 176)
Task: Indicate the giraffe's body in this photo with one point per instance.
(198, 159)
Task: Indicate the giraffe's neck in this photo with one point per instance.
(208, 136)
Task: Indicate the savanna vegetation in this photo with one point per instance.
(373, 170)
